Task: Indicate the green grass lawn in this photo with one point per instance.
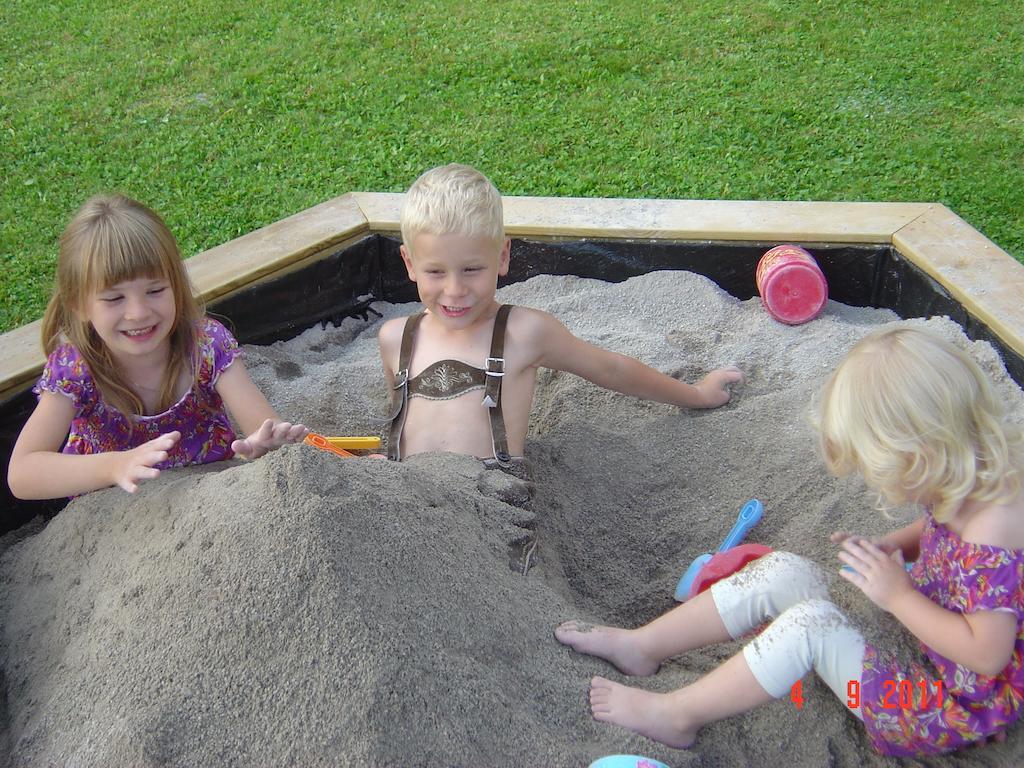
(226, 116)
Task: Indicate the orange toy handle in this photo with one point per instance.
(321, 442)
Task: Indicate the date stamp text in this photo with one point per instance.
(896, 694)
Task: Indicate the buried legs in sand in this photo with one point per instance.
(809, 632)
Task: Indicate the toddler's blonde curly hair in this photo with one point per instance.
(917, 418)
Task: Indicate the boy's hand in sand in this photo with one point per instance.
(880, 575)
(715, 388)
(132, 467)
(270, 436)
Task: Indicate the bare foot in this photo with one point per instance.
(654, 715)
(609, 643)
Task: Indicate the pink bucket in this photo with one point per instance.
(792, 286)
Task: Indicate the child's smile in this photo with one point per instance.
(453, 311)
(141, 334)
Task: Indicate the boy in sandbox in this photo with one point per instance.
(462, 371)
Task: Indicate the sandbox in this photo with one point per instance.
(307, 610)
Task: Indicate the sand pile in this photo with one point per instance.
(307, 610)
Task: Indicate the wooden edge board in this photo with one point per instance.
(23, 358)
(986, 280)
(239, 262)
(686, 220)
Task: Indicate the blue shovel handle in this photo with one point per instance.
(747, 519)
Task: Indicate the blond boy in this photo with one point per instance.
(464, 383)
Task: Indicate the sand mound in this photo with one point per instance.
(306, 610)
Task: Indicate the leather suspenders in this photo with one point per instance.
(494, 370)
(400, 392)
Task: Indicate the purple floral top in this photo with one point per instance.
(961, 577)
(206, 432)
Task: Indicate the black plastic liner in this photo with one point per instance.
(345, 283)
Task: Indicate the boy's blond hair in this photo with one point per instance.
(452, 199)
(917, 418)
(111, 239)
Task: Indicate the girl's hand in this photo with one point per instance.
(132, 467)
(840, 536)
(880, 575)
(271, 435)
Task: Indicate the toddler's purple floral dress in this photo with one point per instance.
(206, 432)
(961, 577)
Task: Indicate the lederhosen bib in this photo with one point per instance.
(446, 379)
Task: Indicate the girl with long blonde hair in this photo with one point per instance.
(137, 379)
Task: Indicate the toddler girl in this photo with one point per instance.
(917, 419)
(136, 378)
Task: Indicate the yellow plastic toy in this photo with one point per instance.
(341, 446)
(354, 443)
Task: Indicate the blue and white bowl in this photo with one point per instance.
(627, 761)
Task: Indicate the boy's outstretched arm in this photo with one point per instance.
(560, 350)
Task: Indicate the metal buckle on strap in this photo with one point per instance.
(495, 369)
(401, 378)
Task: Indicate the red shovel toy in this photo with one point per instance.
(708, 568)
(724, 564)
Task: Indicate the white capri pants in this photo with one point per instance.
(808, 632)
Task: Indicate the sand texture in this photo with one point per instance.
(306, 610)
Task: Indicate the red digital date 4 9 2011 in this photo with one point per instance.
(896, 694)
